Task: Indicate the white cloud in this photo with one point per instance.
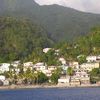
(83, 5)
(47, 2)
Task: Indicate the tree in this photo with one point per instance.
(82, 59)
(42, 78)
(70, 71)
(51, 58)
(56, 75)
(54, 78)
(95, 75)
(19, 37)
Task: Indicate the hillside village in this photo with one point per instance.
(71, 73)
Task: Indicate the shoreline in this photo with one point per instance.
(14, 87)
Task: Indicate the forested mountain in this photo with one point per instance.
(26, 27)
(90, 44)
(83, 46)
(18, 38)
(60, 23)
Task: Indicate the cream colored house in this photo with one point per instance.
(91, 58)
(47, 72)
(45, 50)
(74, 64)
(2, 78)
(40, 66)
(64, 80)
(75, 81)
(27, 65)
(83, 76)
(62, 60)
(89, 66)
(4, 67)
(15, 63)
(52, 68)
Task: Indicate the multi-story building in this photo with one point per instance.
(89, 66)
(40, 66)
(4, 67)
(91, 58)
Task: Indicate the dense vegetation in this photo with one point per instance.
(28, 77)
(95, 75)
(82, 47)
(61, 23)
(18, 38)
(21, 39)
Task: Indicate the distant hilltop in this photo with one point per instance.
(60, 23)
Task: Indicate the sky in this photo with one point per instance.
(82, 5)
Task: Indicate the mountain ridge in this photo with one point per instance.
(61, 23)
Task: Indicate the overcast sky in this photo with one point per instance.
(83, 5)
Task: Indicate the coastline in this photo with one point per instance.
(13, 87)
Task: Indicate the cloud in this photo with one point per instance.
(83, 5)
(92, 6)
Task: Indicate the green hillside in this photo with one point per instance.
(82, 47)
(60, 23)
(18, 38)
(21, 39)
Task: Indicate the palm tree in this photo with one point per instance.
(70, 71)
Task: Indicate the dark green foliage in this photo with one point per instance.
(35, 78)
(51, 58)
(42, 78)
(95, 75)
(56, 75)
(82, 47)
(54, 78)
(61, 23)
(36, 55)
(90, 44)
(81, 59)
(70, 71)
(18, 38)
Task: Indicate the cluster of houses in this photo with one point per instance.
(15, 67)
(80, 76)
(81, 71)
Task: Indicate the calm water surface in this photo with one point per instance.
(51, 94)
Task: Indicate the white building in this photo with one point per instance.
(64, 80)
(15, 63)
(47, 72)
(91, 58)
(57, 52)
(6, 83)
(28, 64)
(2, 78)
(62, 60)
(89, 66)
(52, 68)
(45, 50)
(40, 66)
(81, 77)
(81, 73)
(4, 67)
(74, 64)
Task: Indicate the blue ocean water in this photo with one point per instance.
(51, 94)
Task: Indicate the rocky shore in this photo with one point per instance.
(45, 86)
